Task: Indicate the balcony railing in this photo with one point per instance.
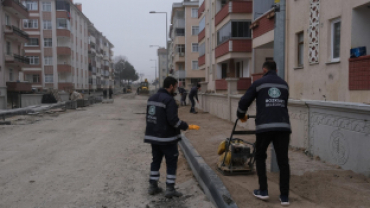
(17, 7)
(233, 7)
(21, 59)
(15, 30)
(221, 84)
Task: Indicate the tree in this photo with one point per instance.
(125, 71)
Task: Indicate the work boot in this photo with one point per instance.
(171, 191)
(154, 188)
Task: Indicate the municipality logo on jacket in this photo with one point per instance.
(274, 92)
(151, 110)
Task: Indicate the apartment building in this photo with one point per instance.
(225, 42)
(12, 40)
(320, 35)
(162, 63)
(101, 72)
(184, 43)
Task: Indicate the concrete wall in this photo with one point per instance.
(30, 100)
(64, 97)
(336, 132)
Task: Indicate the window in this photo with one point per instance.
(62, 5)
(10, 75)
(195, 47)
(31, 5)
(234, 29)
(33, 78)
(300, 37)
(63, 24)
(7, 20)
(49, 78)
(202, 24)
(194, 13)
(34, 60)
(46, 6)
(8, 48)
(195, 65)
(195, 30)
(48, 60)
(180, 32)
(33, 42)
(47, 25)
(31, 23)
(223, 3)
(335, 39)
(224, 70)
(180, 49)
(48, 42)
(202, 49)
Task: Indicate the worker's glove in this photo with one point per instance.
(245, 119)
(194, 127)
(240, 115)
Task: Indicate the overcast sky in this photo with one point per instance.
(130, 27)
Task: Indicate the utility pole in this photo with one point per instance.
(279, 56)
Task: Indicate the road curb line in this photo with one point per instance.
(207, 178)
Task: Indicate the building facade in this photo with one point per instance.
(12, 56)
(319, 38)
(162, 63)
(184, 44)
(225, 42)
(47, 46)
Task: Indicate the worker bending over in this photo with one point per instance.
(183, 94)
(272, 125)
(194, 93)
(163, 133)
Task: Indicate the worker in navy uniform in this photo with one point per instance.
(194, 94)
(183, 94)
(163, 133)
(272, 125)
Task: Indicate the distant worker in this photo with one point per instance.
(183, 94)
(272, 125)
(163, 133)
(194, 93)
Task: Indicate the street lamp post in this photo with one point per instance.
(154, 12)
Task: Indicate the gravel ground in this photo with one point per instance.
(89, 158)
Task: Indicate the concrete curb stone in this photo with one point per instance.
(207, 178)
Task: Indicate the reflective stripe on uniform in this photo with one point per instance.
(154, 172)
(272, 125)
(154, 178)
(170, 181)
(158, 104)
(171, 176)
(178, 124)
(241, 111)
(158, 139)
(269, 85)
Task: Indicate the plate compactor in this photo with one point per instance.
(237, 157)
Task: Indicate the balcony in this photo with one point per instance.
(179, 57)
(234, 45)
(201, 35)
(201, 9)
(256, 76)
(106, 68)
(243, 84)
(359, 73)
(17, 60)
(63, 33)
(16, 34)
(179, 23)
(16, 8)
(201, 60)
(236, 7)
(106, 57)
(65, 86)
(263, 24)
(64, 51)
(19, 87)
(64, 68)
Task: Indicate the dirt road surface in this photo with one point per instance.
(313, 183)
(89, 158)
